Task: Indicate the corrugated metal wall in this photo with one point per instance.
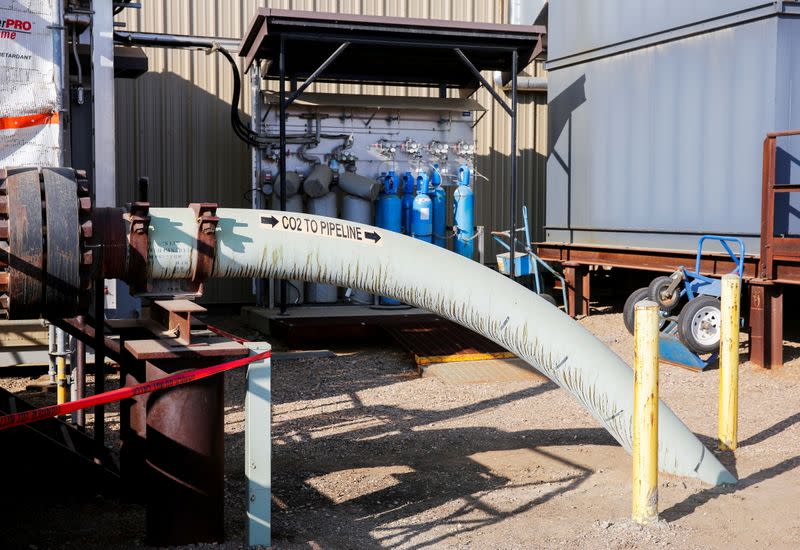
(172, 123)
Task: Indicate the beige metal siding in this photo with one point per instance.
(172, 123)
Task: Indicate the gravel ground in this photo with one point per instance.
(366, 454)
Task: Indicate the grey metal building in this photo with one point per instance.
(658, 115)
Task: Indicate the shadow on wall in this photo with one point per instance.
(559, 161)
(493, 197)
(180, 136)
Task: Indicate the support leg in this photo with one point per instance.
(185, 457)
(257, 449)
(578, 289)
(766, 324)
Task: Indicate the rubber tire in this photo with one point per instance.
(547, 297)
(653, 293)
(685, 323)
(630, 304)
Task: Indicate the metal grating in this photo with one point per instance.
(441, 341)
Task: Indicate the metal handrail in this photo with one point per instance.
(766, 267)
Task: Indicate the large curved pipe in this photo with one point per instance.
(264, 243)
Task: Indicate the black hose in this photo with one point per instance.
(242, 132)
(239, 128)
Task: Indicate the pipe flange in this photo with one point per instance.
(85, 215)
(138, 219)
(22, 246)
(206, 249)
(43, 253)
(64, 253)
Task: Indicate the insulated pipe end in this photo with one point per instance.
(711, 471)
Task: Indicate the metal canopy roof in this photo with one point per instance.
(387, 102)
(386, 50)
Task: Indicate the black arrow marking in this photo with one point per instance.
(272, 220)
(372, 236)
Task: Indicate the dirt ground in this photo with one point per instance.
(368, 455)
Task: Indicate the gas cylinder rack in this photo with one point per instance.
(366, 143)
(346, 158)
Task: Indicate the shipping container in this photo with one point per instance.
(657, 114)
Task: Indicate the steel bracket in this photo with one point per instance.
(138, 218)
(207, 221)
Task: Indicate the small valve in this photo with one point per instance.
(463, 149)
(438, 149)
(412, 148)
(384, 149)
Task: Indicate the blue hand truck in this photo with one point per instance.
(690, 308)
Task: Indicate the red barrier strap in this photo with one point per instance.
(26, 417)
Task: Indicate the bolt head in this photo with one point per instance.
(85, 205)
(86, 230)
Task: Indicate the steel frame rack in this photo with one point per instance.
(423, 52)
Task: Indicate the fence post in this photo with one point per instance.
(645, 413)
(727, 431)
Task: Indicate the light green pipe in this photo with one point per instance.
(265, 243)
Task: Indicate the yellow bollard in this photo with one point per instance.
(62, 389)
(645, 413)
(728, 412)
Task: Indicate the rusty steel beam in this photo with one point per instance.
(766, 323)
(645, 259)
(578, 288)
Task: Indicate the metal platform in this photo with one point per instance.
(440, 341)
(427, 337)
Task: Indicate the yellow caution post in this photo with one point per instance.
(62, 391)
(645, 413)
(62, 382)
(728, 424)
(62, 387)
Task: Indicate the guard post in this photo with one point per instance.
(728, 412)
(644, 507)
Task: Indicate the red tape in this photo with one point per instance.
(26, 417)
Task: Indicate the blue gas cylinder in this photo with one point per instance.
(388, 206)
(388, 213)
(421, 214)
(409, 190)
(438, 206)
(464, 213)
